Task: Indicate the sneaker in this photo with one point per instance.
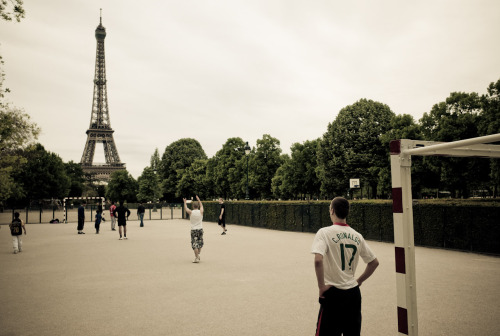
(125, 238)
(83, 232)
(196, 260)
(120, 238)
(20, 250)
(113, 229)
(223, 233)
(15, 251)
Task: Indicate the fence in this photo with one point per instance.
(44, 214)
(466, 227)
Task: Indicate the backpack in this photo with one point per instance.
(16, 227)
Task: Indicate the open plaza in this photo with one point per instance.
(249, 282)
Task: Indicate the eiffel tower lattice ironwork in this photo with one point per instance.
(100, 128)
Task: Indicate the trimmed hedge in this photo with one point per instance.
(467, 226)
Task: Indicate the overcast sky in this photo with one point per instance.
(212, 70)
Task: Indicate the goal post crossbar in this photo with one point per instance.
(79, 198)
(402, 208)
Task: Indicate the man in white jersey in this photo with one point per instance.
(196, 217)
(337, 249)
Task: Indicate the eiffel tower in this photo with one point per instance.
(100, 128)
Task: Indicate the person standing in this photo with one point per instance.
(140, 213)
(98, 218)
(113, 218)
(81, 217)
(16, 230)
(122, 213)
(336, 250)
(196, 218)
(222, 216)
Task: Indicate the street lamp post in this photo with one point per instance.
(247, 153)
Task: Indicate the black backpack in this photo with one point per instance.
(16, 227)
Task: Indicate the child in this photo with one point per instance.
(16, 231)
(98, 217)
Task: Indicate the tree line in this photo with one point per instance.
(354, 145)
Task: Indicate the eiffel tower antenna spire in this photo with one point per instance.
(100, 18)
(100, 127)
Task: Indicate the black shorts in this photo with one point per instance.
(222, 221)
(122, 223)
(340, 312)
(81, 223)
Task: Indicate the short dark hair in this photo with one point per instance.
(16, 214)
(340, 207)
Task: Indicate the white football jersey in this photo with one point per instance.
(341, 246)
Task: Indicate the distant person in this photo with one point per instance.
(81, 217)
(337, 249)
(113, 218)
(222, 216)
(122, 214)
(140, 213)
(196, 218)
(16, 230)
(98, 218)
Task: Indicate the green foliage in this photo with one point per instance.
(352, 147)
(178, 156)
(122, 187)
(193, 180)
(228, 173)
(76, 176)
(155, 161)
(456, 225)
(264, 161)
(44, 174)
(149, 185)
(455, 119)
(12, 9)
(299, 173)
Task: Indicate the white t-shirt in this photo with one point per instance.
(196, 220)
(341, 246)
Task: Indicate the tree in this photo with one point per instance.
(455, 119)
(76, 176)
(192, 181)
(352, 147)
(12, 9)
(122, 187)
(264, 162)
(490, 124)
(149, 186)
(178, 156)
(16, 133)
(227, 173)
(43, 176)
(155, 161)
(279, 187)
(404, 127)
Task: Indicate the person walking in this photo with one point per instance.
(140, 213)
(222, 216)
(113, 218)
(16, 230)
(81, 217)
(336, 250)
(196, 218)
(122, 213)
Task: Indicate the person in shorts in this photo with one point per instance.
(222, 216)
(336, 250)
(122, 213)
(196, 218)
(16, 230)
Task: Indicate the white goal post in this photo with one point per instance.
(402, 208)
(79, 198)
